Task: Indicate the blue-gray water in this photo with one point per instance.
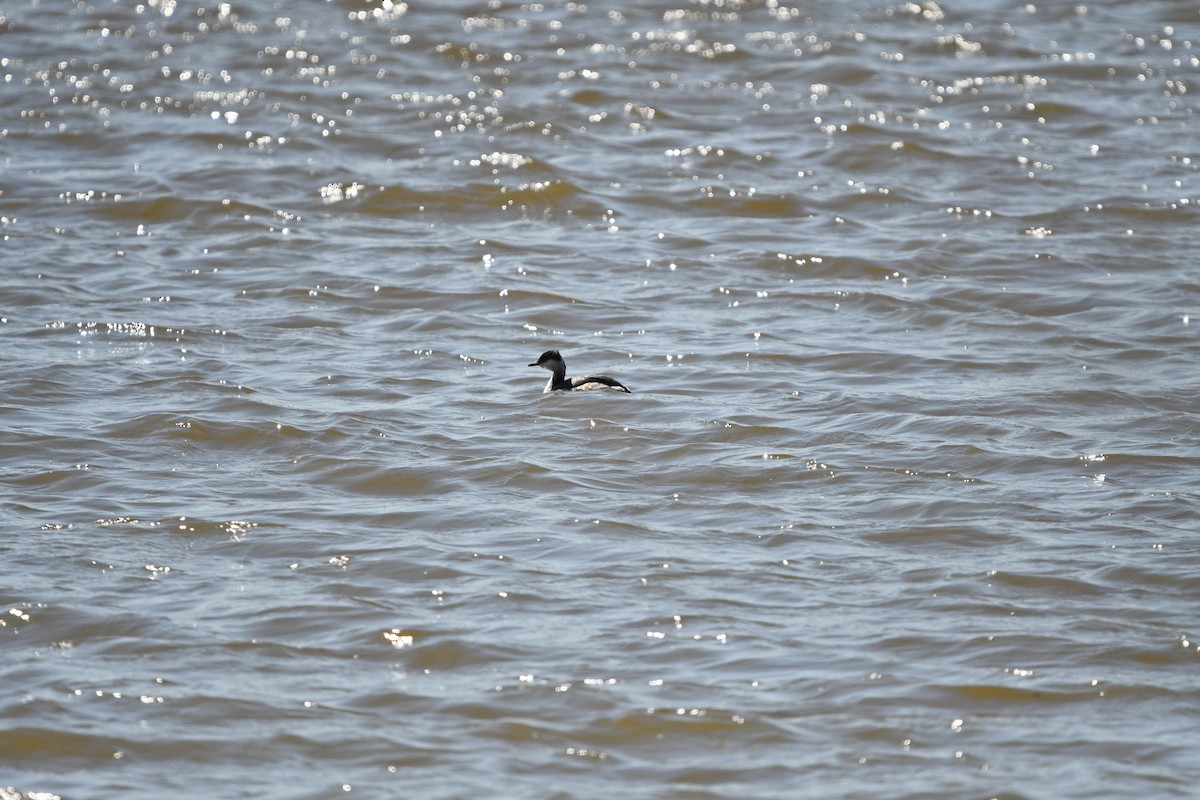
(905, 500)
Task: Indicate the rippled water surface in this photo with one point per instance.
(904, 501)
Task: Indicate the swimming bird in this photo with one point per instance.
(553, 361)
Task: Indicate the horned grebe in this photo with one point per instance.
(552, 361)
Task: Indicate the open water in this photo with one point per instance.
(905, 502)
